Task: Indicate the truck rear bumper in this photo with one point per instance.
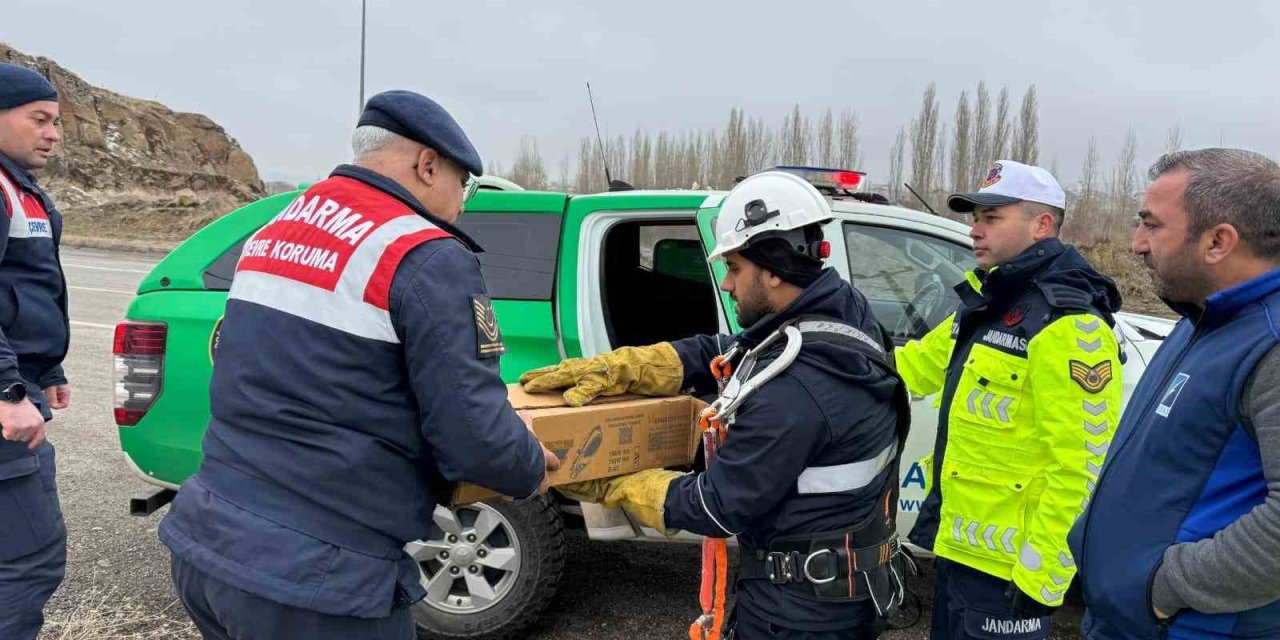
(150, 500)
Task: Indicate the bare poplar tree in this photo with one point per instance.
(564, 173)
(1001, 131)
(619, 158)
(711, 160)
(1089, 175)
(1173, 139)
(529, 171)
(827, 140)
(924, 142)
(1026, 142)
(649, 181)
(982, 133)
(847, 156)
(961, 146)
(733, 150)
(582, 182)
(641, 148)
(692, 161)
(1087, 221)
(669, 167)
(939, 171)
(759, 147)
(1124, 182)
(897, 156)
(796, 136)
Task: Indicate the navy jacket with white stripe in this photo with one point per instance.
(34, 333)
(832, 407)
(354, 381)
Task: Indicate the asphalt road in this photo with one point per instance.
(117, 583)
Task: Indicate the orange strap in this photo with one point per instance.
(721, 368)
(715, 551)
(715, 577)
(721, 549)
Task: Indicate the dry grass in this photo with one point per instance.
(1114, 259)
(141, 218)
(157, 248)
(108, 612)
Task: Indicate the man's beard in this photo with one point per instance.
(753, 304)
(1177, 279)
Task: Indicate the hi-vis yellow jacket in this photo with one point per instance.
(1029, 370)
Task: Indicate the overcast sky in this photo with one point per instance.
(283, 81)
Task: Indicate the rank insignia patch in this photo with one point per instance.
(488, 335)
(1092, 379)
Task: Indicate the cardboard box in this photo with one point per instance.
(610, 437)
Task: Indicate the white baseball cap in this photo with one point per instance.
(1010, 182)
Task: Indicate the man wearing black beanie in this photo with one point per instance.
(33, 342)
(777, 257)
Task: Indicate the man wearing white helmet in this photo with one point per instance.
(807, 475)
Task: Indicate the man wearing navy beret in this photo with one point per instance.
(356, 379)
(33, 538)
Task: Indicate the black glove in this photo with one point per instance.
(1023, 606)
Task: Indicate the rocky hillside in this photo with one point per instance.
(135, 169)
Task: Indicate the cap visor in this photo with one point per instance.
(967, 202)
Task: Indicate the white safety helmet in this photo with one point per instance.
(769, 203)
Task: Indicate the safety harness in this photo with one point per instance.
(865, 562)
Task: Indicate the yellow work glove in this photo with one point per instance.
(654, 370)
(641, 494)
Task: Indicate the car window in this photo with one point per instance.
(655, 283)
(217, 277)
(908, 277)
(673, 250)
(519, 258)
(518, 262)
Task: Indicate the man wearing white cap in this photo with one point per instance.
(1029, 374)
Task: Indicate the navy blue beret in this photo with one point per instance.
(420, 119)
(20, 85)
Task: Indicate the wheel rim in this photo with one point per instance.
(470, 560)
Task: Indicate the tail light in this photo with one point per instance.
(139, 368)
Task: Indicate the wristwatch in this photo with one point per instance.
(14, 393)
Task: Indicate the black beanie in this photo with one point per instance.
(20, 85)
(782, 260)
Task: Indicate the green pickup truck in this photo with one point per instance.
(569, 275)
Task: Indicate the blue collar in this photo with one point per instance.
(393, 189)
(18, 174)
(1224, 304)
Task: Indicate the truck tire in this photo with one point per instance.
(490, 568)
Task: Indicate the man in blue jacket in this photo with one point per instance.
(33, 342)
(356, 378)
(1182, 538)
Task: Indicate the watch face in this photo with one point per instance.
(14, 392)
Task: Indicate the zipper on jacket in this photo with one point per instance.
(1112, 455)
